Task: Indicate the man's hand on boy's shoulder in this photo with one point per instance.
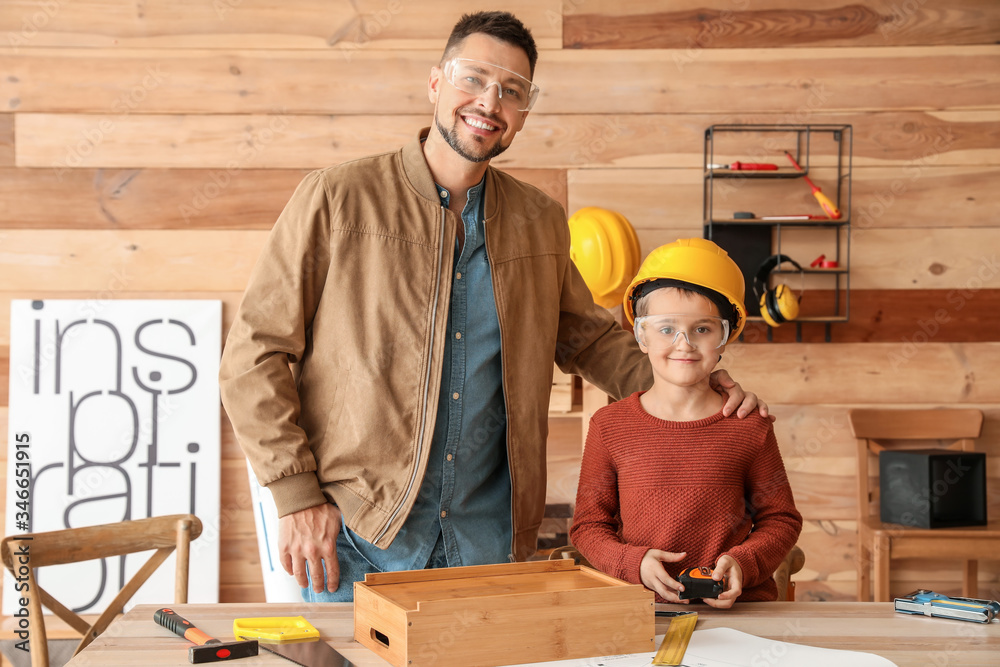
(746, 402)
(729, 568)
(654, 576)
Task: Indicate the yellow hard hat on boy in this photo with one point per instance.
(703, 266)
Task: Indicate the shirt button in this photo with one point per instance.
(458, 335)
(458, 276)
(449, 457)
(443, 194)
(443, 514)
(455, 395)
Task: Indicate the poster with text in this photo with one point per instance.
(113, 416)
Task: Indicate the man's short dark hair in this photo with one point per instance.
(500, 25)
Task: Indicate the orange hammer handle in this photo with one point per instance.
(179, 625)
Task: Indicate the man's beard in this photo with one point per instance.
(456, 145)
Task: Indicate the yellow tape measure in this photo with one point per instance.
(675, 642)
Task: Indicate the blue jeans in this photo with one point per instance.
(354, 567)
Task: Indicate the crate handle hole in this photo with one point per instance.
(380, 638)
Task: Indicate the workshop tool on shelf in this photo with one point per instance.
(207, 649)
(928, 603)
(822, 262)
(824, 201)
(745, 166)
(780, 218)
(675, 641)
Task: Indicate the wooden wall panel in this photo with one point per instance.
(220, 261)
(185, 198)
(960, 315)
(908, 141)
(5, 389)
(129, 81)
(348, 25)
(120, 198)
(6, 139)
(937, 373)
(132, 261)
(697, 24)
(766, 80)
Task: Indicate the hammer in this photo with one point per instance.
(207, 649)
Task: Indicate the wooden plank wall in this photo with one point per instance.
(139, 137)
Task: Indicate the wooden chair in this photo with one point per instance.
(793, 562)
(881, 429)
(165, 534)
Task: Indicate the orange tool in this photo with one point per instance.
(698, 583)
(207, 649)
(824, 201)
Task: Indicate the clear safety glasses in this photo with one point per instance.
(658, 332)
(475, 77)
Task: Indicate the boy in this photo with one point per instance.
(667, 482)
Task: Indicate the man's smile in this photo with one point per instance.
(480, 123)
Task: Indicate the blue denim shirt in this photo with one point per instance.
(465, 497)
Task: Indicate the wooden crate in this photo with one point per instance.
(489, 615)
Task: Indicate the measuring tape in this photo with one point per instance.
(675, 642)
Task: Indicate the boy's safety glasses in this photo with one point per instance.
(658, 332)
(475, 77)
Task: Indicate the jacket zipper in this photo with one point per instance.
(506, 408)
(427, 385)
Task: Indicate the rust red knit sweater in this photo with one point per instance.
(709, 487)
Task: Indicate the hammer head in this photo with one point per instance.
(216, 651)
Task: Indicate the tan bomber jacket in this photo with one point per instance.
(332, 368)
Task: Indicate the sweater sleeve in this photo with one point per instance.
(595, 530)
(776, 522)
(268, 334)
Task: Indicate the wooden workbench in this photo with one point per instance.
(909, 641)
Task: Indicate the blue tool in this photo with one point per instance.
(929, 603)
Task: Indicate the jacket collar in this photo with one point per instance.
(419, 174)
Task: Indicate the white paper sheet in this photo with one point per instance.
(725, 647)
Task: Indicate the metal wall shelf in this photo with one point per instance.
(817, 148)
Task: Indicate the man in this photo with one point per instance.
(421, 298)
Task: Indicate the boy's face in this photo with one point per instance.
(683, 359)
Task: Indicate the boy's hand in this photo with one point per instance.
(727, 567)
(736, 397)
(654, 576)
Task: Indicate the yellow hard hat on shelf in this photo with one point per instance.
(605, 249)
(698, 262)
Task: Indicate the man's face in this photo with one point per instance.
(478, 127)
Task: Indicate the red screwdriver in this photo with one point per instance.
(746, 166)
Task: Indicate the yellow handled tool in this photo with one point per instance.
(824, 201)
(274, 628)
